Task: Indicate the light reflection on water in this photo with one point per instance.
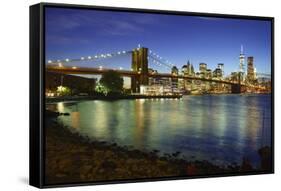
(221, 128)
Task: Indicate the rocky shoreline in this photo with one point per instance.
(72, 158)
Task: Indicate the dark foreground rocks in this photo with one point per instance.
(71, 158)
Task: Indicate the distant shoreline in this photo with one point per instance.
(130, 97)
(118, 97)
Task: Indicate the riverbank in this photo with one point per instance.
(73, 158)
(118, 97)
(109, 97)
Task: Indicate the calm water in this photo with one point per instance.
(221, 128)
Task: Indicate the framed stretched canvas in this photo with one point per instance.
(126, 95)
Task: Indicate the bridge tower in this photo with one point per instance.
(140, 65)
(236, 88)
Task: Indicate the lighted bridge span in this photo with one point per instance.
(128, 73)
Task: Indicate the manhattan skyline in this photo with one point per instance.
(72, 33)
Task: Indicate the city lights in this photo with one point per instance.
(247, 79)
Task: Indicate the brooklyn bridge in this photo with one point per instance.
(140, 70)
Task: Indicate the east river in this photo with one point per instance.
(219, 128)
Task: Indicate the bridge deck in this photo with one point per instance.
(128, 73)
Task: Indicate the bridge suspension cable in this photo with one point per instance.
(160, 61)
(152, 56)
(88, 58)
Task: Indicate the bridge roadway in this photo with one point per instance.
(128, 73)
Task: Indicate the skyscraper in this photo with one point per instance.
(174, 81)
(188, 69)
(202, 67)
(192, 70)
(217, 73)
(250, 69)
(221, 66)
(242, 64)
(175, 70)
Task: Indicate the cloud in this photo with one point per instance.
(61, 39)
(101, 22)
(62, 23)
(210, 18)
(121, 28)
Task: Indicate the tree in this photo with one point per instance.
(63, 91)
(101, 89)
(112, 81)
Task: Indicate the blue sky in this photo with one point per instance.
(73, 33)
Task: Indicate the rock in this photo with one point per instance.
(265, 155)
(60, 175)
(246, 165)
(108, 165)
(86, 169)
(176, 154)
(191, 169)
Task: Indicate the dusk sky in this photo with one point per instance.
(74, 33)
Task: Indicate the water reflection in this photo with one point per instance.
(218, 128)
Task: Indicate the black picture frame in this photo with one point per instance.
(37, 90)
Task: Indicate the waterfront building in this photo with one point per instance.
(156, 90)
(250, 69)
(234, 76)
(221, 66)
(152, 90)
(181, 84)
(174, 81)
(188, 69)
(209, 73)
(184, 70)
(175, 70)
(152, 81)
(163, 81)
(255, 73)
(192, 72)
(217, 73)
(202, 67)
(77, 84)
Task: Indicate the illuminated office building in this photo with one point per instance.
(250, 69)
(221, 66)
(242, 64)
